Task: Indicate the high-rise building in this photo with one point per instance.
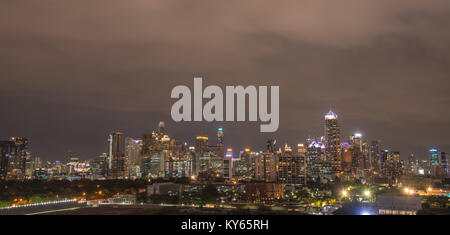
(228, 166)
(116, 155)
(265, 167)
(412, 159)
(357, 153)
(244, 166)
(220, 143)
(443, 161)
(384, 159)
(133, 150)
(412, 165)
(7, 149)
(99, 166)
(301, 154)
(18, 158)
(220, 136)
(271, 145)
(375, 155)
(393, 167)
(317, 166)
(290, 167)
(347, 159)
(161, 127)
(434, 156)
(201, 149)
(333, 141)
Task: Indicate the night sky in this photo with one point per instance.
(73, 71)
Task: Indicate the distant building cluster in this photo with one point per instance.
(157, 155)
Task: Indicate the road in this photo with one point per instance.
(42, 208)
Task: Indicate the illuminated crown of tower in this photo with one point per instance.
(331, 115)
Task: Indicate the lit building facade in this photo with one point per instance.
(333, 141)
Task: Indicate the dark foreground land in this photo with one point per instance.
(164, 210)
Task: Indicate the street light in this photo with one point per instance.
(367, 193)
(344, 193)
(406, 190)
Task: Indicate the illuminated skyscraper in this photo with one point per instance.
(201, 149)
(116, 155)
(228, 164)
(18, 158)
(347, 158)
(133, 150)
(161, 127)
(271, 145)
(434, 156)
(220, 144)
(201, 144)
(265, 167)
(356, 151)
(7, 149)
(394, 167)
(291, 167)
(317, 167)
(244, 166)
(301, 154)
(333, 141)
(375, 155)
(412, 159)
(443, 161)
(220, 136)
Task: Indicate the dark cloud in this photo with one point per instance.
(72, 71)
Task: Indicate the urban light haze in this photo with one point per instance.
(74, 71)
(224, 109)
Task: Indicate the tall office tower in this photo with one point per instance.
(116, 155)
(365, 151)
(375, 155)
(316, 165)
(271, 145)
(443, 161)
(203, 155)
(161, 127)
(228, 164)
(220, 136)
(434, 156)
(201, 143)
(333, 141)
(384, 156)
(412, 159)
(29, 167)
(347, 159)
(267, 166)
(99, 166)
(244, 166)
(147, 143)
(394, 167)
(412, 165)
(133, 150)
(301, 154)
(356, 151)
(18, 158)
(7, 149)
(290, 167)
(220, 142)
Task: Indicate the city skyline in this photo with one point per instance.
(190, 141)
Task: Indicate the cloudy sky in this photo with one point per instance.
(73, 71)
